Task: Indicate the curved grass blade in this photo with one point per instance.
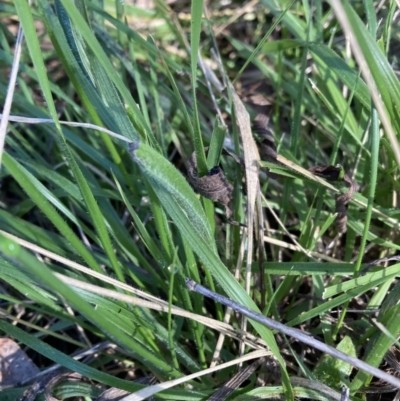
(185, 209)
(97, 218)
(94, 45)
(27, 182)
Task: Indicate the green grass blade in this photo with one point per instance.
(185, 209)
(385, 79)
(216, 143)
(98, 51)
(27, 182)
(112, 329)
(372, 184)
(59, 357)
(196, 16)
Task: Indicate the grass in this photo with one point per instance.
(100, 228)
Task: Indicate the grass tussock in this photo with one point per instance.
(251, 147)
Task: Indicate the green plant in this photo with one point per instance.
(91, 215)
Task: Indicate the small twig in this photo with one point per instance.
(345, 394)
(290, 331)
(377, 261)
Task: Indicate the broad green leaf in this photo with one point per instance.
(332, 371)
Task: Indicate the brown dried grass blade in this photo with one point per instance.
(251, 162)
